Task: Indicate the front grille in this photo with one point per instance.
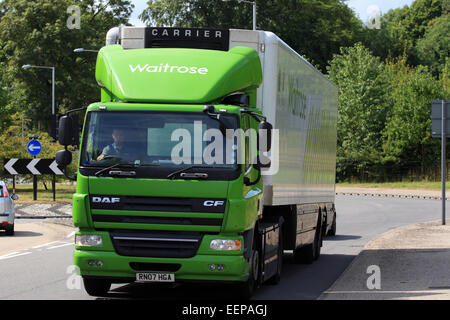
(158, 267)
(157, 244)
(157, 220)
(165, 204)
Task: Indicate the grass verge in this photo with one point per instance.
(64, 192)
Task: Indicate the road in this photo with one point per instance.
(42, 270)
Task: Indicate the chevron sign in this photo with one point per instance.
(31, 166)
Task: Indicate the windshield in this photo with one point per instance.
(160, 140)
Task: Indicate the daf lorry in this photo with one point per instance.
(210, 154)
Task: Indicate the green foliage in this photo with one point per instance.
(434, 47)
(384, 123)
(402, 28)
(36, 33)
(316, 29)
(407, 136)
(364, 106)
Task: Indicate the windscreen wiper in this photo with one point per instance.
(112, 167)
(196, 175)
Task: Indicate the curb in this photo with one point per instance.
(390, 195)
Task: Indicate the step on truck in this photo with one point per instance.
(210, 154)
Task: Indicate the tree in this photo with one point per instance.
(407, 136)
(363, 105)
(316, 29)
(36, 33)
(434, 47)
(401, 28)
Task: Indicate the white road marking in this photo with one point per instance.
(70, 235)
(14, 256)
(10, 254)
(61, 245)
(45, 244)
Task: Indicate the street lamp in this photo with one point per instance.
(254, 9)
(28, 66)
(77, 50)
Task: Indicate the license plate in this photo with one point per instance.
(155, 277)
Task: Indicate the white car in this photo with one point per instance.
(7, 209)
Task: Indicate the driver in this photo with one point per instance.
(117, 147)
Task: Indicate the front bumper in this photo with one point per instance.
(196, 268)
(235, 266)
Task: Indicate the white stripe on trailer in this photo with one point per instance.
(9, 166)
(31, 167)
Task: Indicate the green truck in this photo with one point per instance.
(210, 154)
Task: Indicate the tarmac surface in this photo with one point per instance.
(410, 262)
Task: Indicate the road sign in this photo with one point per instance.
(436, 118)
(32, 166)
(34, 147)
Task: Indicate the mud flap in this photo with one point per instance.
(270, 234)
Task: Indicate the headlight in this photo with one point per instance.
(88, 240)
(219, 244)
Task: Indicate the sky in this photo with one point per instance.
(363, 8)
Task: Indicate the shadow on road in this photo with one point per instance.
(342, 237)
(307, 284)
(22, 234)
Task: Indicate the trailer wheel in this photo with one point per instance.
(332, 231)
(96, 287)
(310, 252)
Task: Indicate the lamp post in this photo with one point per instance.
(78, 50)
(254, 9)
(28, 66)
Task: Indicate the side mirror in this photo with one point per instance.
(265, 130)
(15, 197)
(63, 158)
(65, 131)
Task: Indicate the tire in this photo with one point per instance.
(277, 277)
(9, 230)
(247, 288)
(96, 287)
(311, 252)
(332, 231)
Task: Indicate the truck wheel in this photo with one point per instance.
(277, 277)
(247, 288)
(96, 287)
(10, 230)
(332, 231)
(310, 252)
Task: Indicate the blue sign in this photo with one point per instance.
(34, 147)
